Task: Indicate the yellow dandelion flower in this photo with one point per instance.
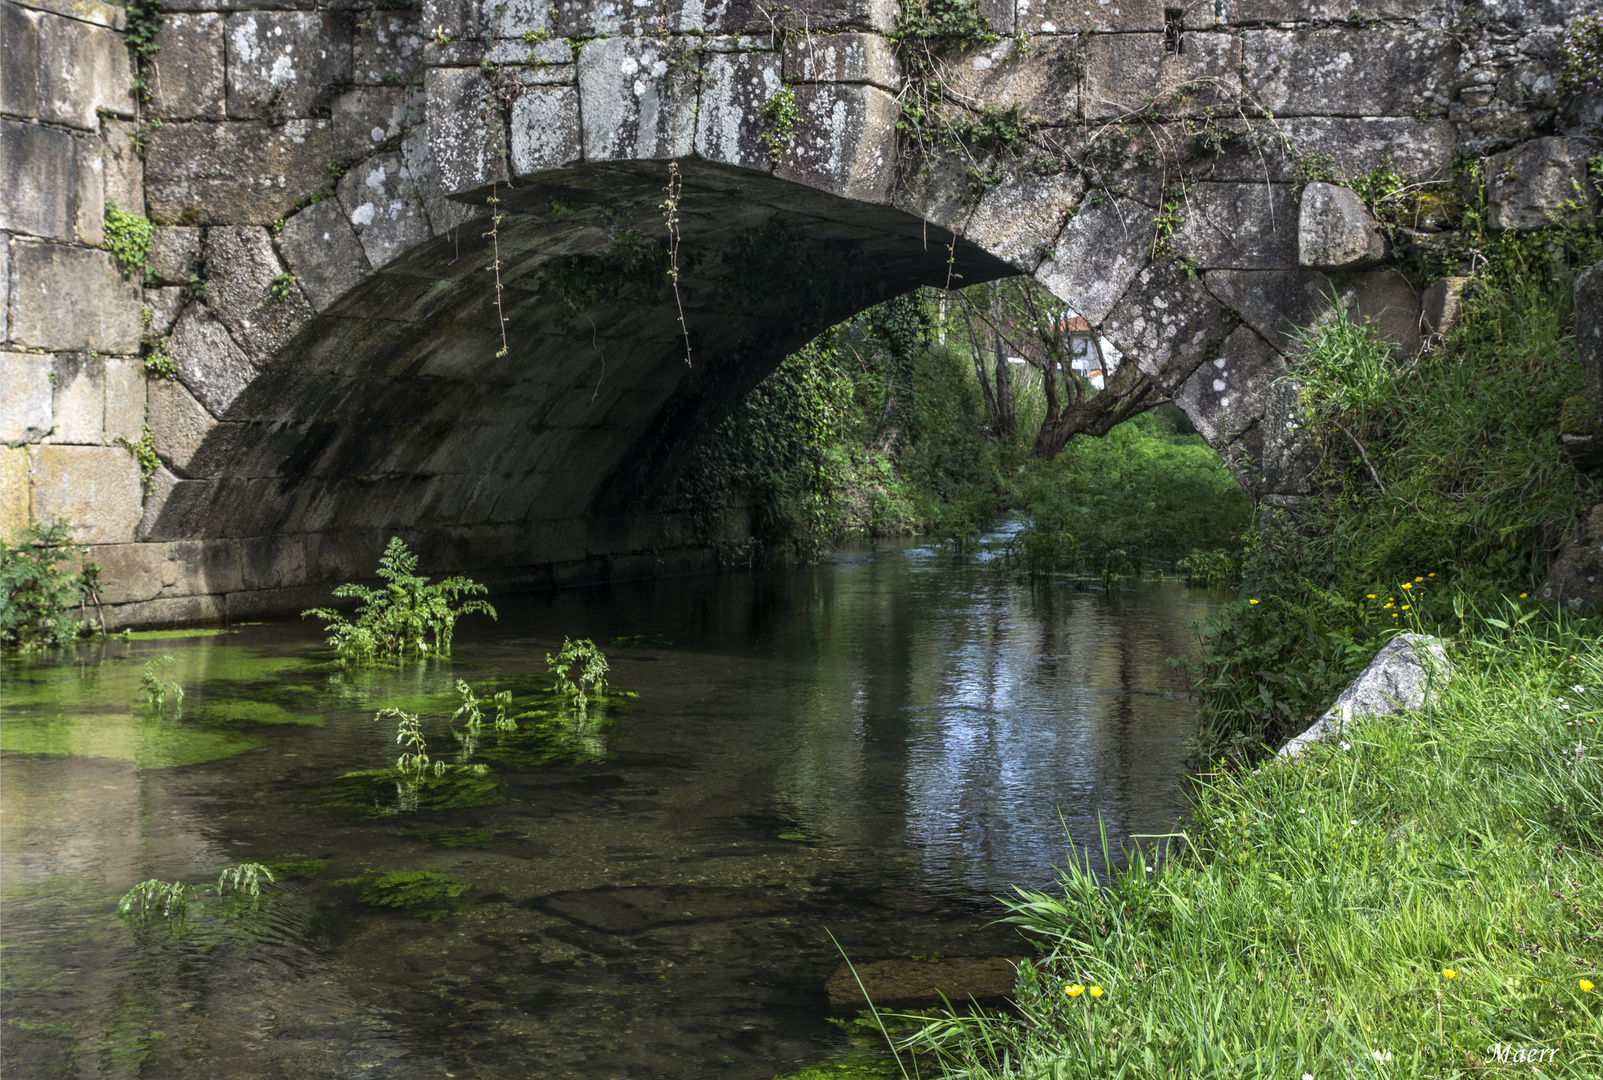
(1371, 596)
(1074, 991)
(1405, 607)
(1408, 584)
(1096, 991)
(1449, 973)
(1586, 986)
(1252, 601)
(1419, 579)
(1389, 607)
(1430, 575)
(1394, 614)
(1524, 595)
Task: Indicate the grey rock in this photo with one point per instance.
(848, 58)
(174, 254)
(243, 269)
(111, 16)
(1379, 71)
(124, 166)
(19, 61)
(209, 364)
(1388, 302)
(1576, 578)
(1069, 17)
(1099, 253)
(26, 397)
(179, 425)
(1020, 218)
(1032, 79)
(80, 400)
(1540, 185)
(157, 488)
(187, 72)
(387, 49)
(545, 129)
(1167, 324)
(1224, 397)
(89, 217)
(845, 143)
(444, 215)
(730, 126)
(283, 63)
(1238, 227)
(1286, 447)
(372, 118)
(1275, 303)
(1335, 230)
(1401, 677)
(323, 254)
(385, 207)
(40, 178)
(164, 304)
(1125, 73)
(461, 142)
(72, 299)
(82, 68)
(1589, 330)
(1440, 306)
(125, 397)
(1583, 116)
(236, 173)
(95, 487)
(636, 102)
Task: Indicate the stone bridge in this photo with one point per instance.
(411, 267)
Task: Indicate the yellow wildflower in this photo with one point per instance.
(1096, 991)
(1419, 579)
(1405, 607)
(1408, 584)
(1449, 973)
(1586, 986)
(1252, 601)
(1075, 991)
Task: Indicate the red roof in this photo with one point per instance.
(1075, 325)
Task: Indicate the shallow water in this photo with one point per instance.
(873, 748)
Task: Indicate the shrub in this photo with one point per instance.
(40, 584)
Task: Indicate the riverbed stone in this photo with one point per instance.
(72, 299)
(382, 202)
(235, 172)
(26, 397)
(545, 129)
(187, 75)
(730, 126)
(1166, 323)
(324, 255)
(1403, 675)
(958, 979)
(94, 487)
(82, 69)
(214, 369)
(244, 271)
(1335, 229)
(1225, 395)
(637, 100)
(1576, 578)
(1237, 226)
(845, 143)
(1098, 254)
(283, 63)
(1541, 185)
(79, 405)
(1378, 71)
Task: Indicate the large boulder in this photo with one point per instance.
(1400, 677)
(1540, 185)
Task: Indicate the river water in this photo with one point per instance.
(873, 748)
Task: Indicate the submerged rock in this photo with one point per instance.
(924, 982)
(1398, 678)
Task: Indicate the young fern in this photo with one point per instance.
(579, 670)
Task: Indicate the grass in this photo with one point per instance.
(1397, 906)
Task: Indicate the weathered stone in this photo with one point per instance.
(387, 48)
(273, 562)
(19, 61)
(72, 299)
(80, 400)
(1440, 306)
(958, 979)
(1380, 71)
(1540, 185)
(1416, 149)
(1388, 302)
(125, 398)
(284, 63)
(1402, 676)
(635, 103)
(5, 287)
(164, 305)
(372, 118)
(26, 397)
(111, 16)
(245, 272)
(1583, 116)
(1334, 229)
(384, 206)
(89, 211)
(238, 173)
(1074, 16)
(1128, 73)
(14, 489)
(848, 58)
(1031, 79)
(157, 488)
(129, 572)
(1589, 330)
(445, 216)
(209, 363)
(1224, 397)
(845, 142)
(1020, 217)
(1238, 227)
(124, 167)
(461, 142)
(82, 69)
(94, 487)
(174, 254)
(1099, 253)
(1286, 447)
(179, 425)
(1275, 303)
(545, 129)
(323, 254)
(1576, 578)
(730, 126)
(186, 81)
(1166, 323)
(39, 176)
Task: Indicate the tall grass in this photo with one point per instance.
(1397, 906)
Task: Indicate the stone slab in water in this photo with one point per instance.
(924, 982)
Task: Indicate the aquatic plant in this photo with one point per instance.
(40, 584)
(408, 890)
(244, 878)
(414, 760)
(579, 670)
(155, 690)
(152, 900)
(408, 616)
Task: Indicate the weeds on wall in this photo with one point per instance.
(128, 238)
(43, 579)
(408, 618)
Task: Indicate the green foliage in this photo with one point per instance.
(144, 451)
(144, 19)
(280, 290)
(780, 114)
(152, 900)
(579, 671)
(244, 878)
(1384, 907)
(427, 894)
(128, 237)
(296, 866)
(1117, 506)
(408, 617)
(464, 837)
(930, 29)
(154, 689)
(40, 583)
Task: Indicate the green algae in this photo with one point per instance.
(425, 894)
(379, 793)
(148, 741)
(296, 866)
(169, 635)
(464, 837)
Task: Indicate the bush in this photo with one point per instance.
(41, 582)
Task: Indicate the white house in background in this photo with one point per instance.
(1092, 356)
